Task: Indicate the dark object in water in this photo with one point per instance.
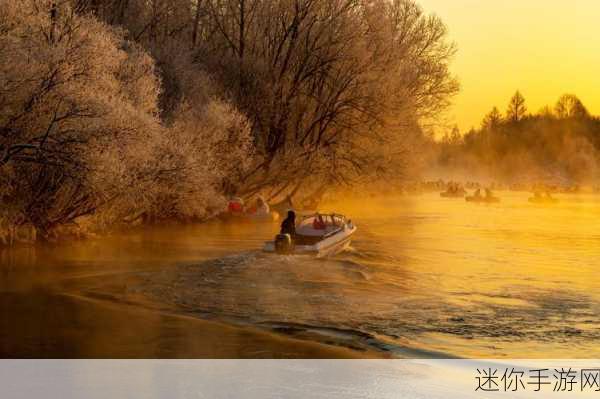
(284, 244)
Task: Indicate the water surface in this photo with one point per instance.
(425, 277)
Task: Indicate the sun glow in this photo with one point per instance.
(543, 48)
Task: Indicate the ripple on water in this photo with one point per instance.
(436, 275)
(313, 299)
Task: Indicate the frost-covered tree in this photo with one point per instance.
(329, 85)
(335, 90)
(80, 132)
(69, 85)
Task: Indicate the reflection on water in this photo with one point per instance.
(426, 277)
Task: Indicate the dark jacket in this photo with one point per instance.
(288, 226)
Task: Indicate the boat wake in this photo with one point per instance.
(363, 302)
(322, 300)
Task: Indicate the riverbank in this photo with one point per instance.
(50, 325)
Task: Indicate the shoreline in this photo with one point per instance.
(126, 331)
(123, 289)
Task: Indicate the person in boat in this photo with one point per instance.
(488, 193)
(319, 223)
(477, 193)
(288, 226)
(262, 208)
(236, 206)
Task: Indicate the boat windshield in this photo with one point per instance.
(320, 225)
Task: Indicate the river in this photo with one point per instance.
(425, 277)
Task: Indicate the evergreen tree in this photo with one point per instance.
(492, 119)
(516, 108)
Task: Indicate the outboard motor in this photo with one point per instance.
(284, 244)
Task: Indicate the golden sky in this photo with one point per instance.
(544, 48)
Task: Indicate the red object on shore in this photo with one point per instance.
(235, 207)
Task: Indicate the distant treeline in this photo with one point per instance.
(558, 145)
(116, 112)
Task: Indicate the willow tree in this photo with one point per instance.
(80, 132)
(332, 87)
(68, 85)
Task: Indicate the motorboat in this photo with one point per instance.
(317, 234)
(237, 212)
(454, 190)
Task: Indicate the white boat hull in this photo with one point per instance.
(329, 246)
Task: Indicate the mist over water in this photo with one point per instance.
(425, 277)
